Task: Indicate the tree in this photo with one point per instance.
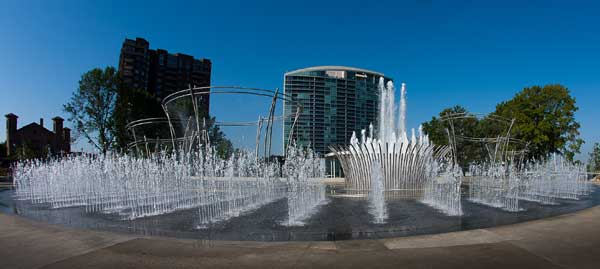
(183, 109)
(92, 106)
(467, 152)
(436, 128)
(544, 116)
(134, 104)
(218, 140)
(2, 150)
(594, 162)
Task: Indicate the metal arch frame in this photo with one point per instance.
(131, 126)
(157, 141)
(228, 90)
(147, 121)
(202, 136)
(186, 138)
(466, 115)
(505, 140)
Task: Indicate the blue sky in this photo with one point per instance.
(473, 53)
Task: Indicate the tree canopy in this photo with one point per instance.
(544, 117)
(437, 129)
(218, 140)
(594, 162)
(92, 106)
(102, 106)
(134, 104)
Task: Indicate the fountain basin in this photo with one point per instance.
(343, 217)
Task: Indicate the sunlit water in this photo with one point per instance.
(136, 187)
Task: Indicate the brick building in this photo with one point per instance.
(36, 137)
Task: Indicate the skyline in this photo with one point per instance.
(447, 53)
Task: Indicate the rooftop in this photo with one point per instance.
(334, 68)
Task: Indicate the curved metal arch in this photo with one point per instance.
(208, 90)
(192, 92)
(156, 140)
(490, 139)
(502, 141)
(143, 140)
(146, 121)
(467, 115)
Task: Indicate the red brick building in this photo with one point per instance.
(36, 137)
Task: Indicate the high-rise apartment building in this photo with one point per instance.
(336, 101)
(160, 72)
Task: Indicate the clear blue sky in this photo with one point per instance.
(473, 53)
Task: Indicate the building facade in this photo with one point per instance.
(36, 138)
(336, 101)
(160, 72)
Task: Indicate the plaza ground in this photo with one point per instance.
(567, 241)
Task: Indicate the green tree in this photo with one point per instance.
(594, 162)
(467, 127)
(436, 128)
(3, 150)
(183, 110)
(218, 140)
(545, 117)
(134, 104)
(102, 106)
(92, 106)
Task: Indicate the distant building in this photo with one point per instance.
(36, 137)
(160, 72)
(336, 100)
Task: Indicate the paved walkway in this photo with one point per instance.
(568, 241)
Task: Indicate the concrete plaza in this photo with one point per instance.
(567, 241)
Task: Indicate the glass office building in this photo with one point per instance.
(336, 100)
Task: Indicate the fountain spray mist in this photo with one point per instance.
(402, 114)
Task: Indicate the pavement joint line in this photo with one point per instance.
(88, 252)
(297, 263)
(511, 242)
(457, 238)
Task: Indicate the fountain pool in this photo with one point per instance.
(341, 218)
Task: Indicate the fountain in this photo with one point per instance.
(305, 192)
(182, 172)
(133, 187)
(377, 197)
(543, 181)
(554, 178)
(180, 186)
(403, 166)
(494, 186)
(504, 178)
(403, 161)
(442, 191)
